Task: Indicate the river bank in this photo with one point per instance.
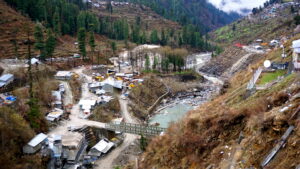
(177, 105)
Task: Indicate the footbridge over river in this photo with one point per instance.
(130, 128)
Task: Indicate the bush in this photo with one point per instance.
(15, 133)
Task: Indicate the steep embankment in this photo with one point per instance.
(233, 131)
(144, 96)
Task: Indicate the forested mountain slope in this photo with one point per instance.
(200, 13)
(132, 23)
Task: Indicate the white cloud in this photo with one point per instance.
(238, 6)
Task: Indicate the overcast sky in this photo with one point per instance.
(236, 5)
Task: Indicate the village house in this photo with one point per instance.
(87, 106)
(110, 83)
(102, 147)
(55, 115)
(57, 146)
(93, 87)
(279, 66)
(57, 96)
(6, 79)
(63, 75)
(35, 144)
(296, 52)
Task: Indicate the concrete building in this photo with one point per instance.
(73, 145)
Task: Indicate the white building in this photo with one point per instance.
(63, 75)
(87, 105)
(110, 83)
(102, 147)
(55, 115)
(6, 79)
(57, 99)
(35, 144)
(296, 52)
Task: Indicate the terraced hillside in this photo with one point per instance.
(12, 26)
(149, 19)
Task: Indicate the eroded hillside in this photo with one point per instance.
(234, 131)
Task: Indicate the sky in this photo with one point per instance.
(238, 6)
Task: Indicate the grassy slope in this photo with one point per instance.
(209, 135)
(246, 32)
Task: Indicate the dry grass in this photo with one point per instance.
(107, 112)
(198, 140)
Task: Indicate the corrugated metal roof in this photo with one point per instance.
(6, 77)
(103, 146)
(2, 84)
(296, 44)
(37, 139)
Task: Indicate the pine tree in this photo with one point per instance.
(147, 63)
(109, 7)
(154, 37)
(92, 44)
(81, 41)
(34, 113)
(92, 41)
(50, 44)
(113, 46)
(143, 38)
(155, 63)
(56, 22)
(143, 143)
(135, 35)
(39, 40)
(163, 38)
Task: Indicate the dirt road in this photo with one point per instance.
(107, 161)
(75, 119)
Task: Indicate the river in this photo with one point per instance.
(170, 114)
(177, 110)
